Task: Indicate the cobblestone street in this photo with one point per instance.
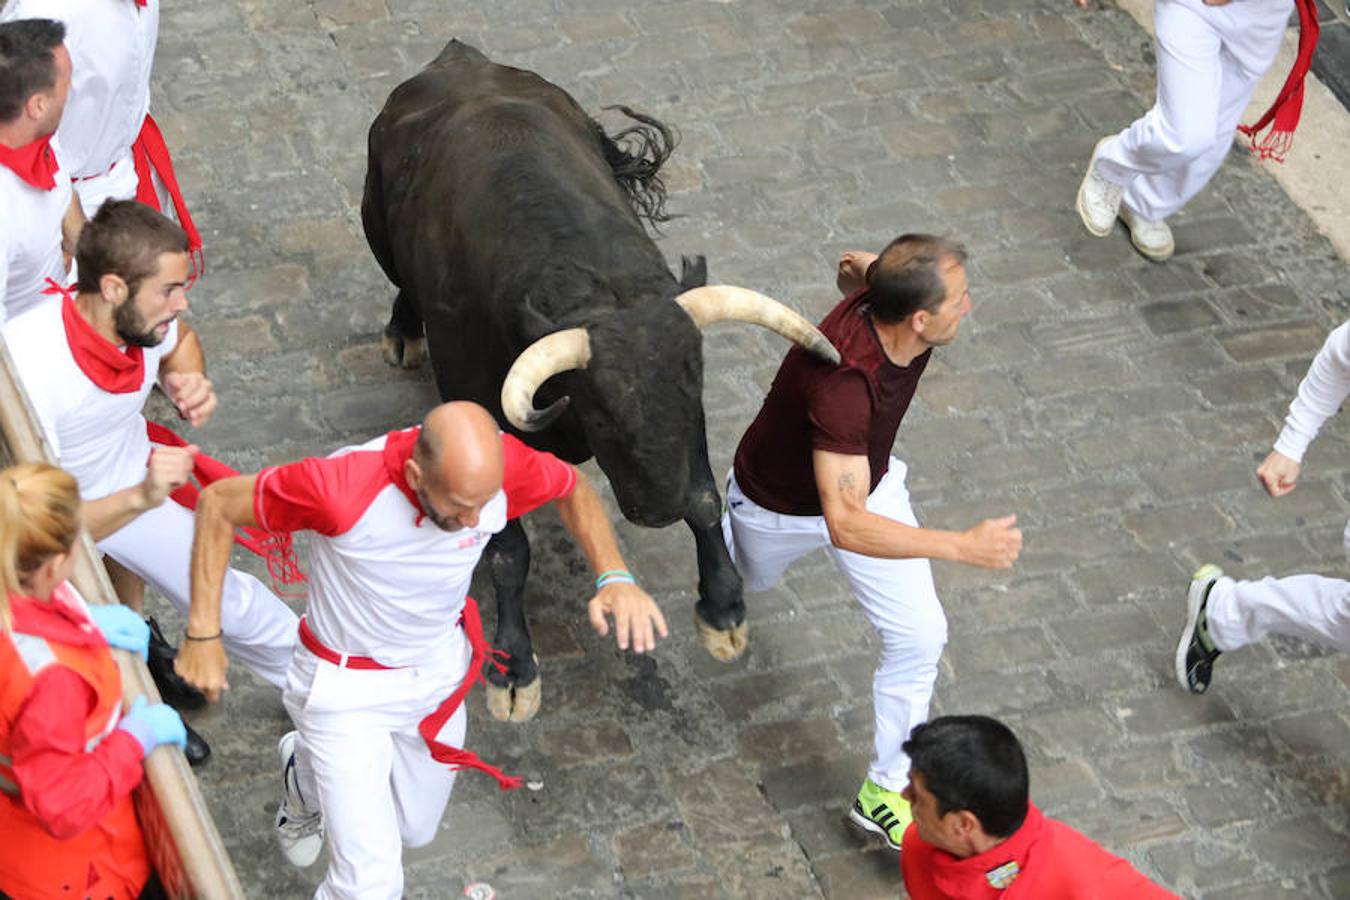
(1118, 407)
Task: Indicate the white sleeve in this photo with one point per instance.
(1320, 395)
(170, 342)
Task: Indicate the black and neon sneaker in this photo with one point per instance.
(1196, 651)
(881, 812)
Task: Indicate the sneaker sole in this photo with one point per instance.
(871, 827)
(1082, 205)
(1200, 583)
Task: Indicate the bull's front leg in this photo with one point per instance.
(405, 342)
(720, 613)
(513, 695)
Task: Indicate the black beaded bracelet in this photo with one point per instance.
(209, 637)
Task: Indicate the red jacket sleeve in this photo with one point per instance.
(67, 788)
(532, 478)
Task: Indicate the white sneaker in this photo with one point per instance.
(299, 830)
(1150, 237)
(1098, 199)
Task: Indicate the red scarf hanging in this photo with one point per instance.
(277, 549)
(98, 358)
(34, 163)
(150, 152)
(1283, 115)
(458, 757)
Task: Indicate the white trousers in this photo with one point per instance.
(897, 595)
(1304, 606)
(259, 629)
(1210, 59)
(361, 757)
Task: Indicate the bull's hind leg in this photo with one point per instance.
(720, 614)
(405, 342)
(515, 694)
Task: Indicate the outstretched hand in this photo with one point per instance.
(637, 619)
(993, 544)
(1278, 474)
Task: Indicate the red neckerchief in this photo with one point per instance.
(398, 448)
(1282, 117)
(34, 163)
(142, 2)
(98, 358)
(59, 619)
(969, 877)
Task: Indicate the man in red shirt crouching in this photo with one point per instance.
(976, 834)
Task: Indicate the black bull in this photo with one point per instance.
(503, 213)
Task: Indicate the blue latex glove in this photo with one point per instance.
(152, 724)
(122, 628)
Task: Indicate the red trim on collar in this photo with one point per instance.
(398, 448)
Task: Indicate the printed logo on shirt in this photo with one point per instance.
(473, 540)
(1002, 876)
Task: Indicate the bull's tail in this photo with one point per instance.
(636, 155)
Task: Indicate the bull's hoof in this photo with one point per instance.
(405, 353)
(724, 645)
(514, 703)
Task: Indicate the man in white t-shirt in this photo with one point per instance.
(1223, 614)
(109, 142)
(376, 684)
(41, 217)
(89, 361)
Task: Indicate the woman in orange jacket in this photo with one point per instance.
(70, 754)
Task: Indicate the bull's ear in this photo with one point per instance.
(535, 324)
(693, 272)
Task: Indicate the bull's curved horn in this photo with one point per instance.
(716, 303)
(560, 351)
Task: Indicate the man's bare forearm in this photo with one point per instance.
(212, 542)
(586, 520)
(106, 515)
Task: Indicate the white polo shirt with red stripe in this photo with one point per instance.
(385, 582)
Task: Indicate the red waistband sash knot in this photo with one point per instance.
(150, 152)
(454, 757)
(277, 549)
(34, 163)
(1283, 115)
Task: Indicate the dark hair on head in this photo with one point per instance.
(125, 238)
(27, 64)
(973, 763)
(907, 276)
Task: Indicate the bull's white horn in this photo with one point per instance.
(720, 302)
(560, 351)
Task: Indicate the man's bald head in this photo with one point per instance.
(456, 467)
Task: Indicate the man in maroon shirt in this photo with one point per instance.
(815, 470)
(977, 836)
